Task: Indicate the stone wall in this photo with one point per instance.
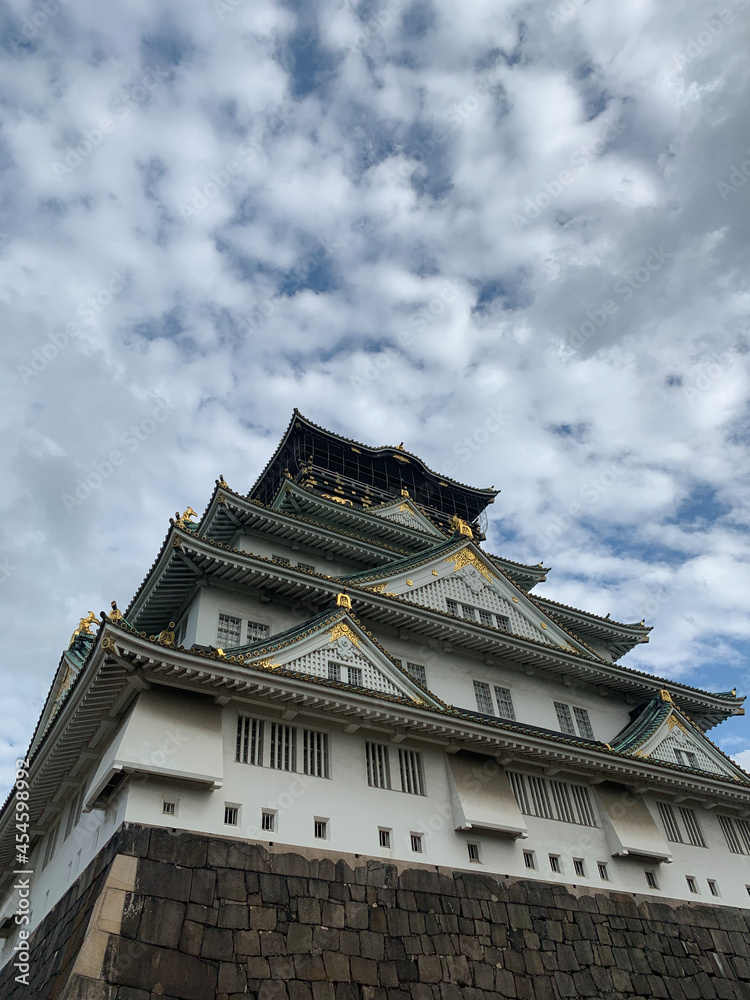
(186, 917)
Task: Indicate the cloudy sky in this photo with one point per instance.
(513, 236)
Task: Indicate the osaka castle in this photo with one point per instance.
(334, 664)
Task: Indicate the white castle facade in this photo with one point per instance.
(334, 662)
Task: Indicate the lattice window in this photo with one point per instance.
(315, 753)
(355, 676)
(283, 747)
(584, 723)
(692, 827)
(564, 718)
(249, 740)
(257, 631)
(378, 765)
(671, 825)
(418, 672)
(485, 618)
(334, 671)
(452, 606)
(484, 698)
(559, 800)
(504, 701)
(229, 631)
(410, 770)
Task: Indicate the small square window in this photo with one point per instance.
(579, 867)
(713, 887)
(321, 829)
(503, 623)
(469, 613)
(485, 617)
(452, 606)
(231, 815)
(282, 559)
(554, 863)
(307, 566)
(528, 859)
(268, 820)
(603, 873)
(473, 850)
(384, 837)
(257, 630)
(692, 883)
(417, 843)
(651, 880)
(168, 808)
(418, 672)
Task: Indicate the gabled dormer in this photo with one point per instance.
(661, 733)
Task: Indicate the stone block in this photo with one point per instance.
(154, 878)
(333, 915)
(233, 915)
(230, 884)
(372, 945)
(161, 921)
(217, 944)
(190, 850)
(364, 971)
(272, 943)
(232, 978)
(162, 971)
(273, 989)
(261, 918)
(309, 968)
(191, 938)
(337, 968)
(203, 886)
(299, 939)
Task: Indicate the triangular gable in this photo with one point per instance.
(404, 511)
(677, 740)
(358, 660)
(464, 575)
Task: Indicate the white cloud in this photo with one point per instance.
(381, 161)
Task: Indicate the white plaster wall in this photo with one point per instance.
(355, 812)
(72, 855)
(261, 545)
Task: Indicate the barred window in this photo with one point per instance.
(229, 632)
(603, 873)
(282, 559)
(504, 701)
(51, 847)
(503, 623)
(410, 770)
(378, 765)
(579, 867)
(737, 834)
(307, 566)
(321, 829)
(249, 740)
(231, 815)
(267, 820)
(485, 617)
(334, 671)
(692, 827)
(469, 613)
(452, 606)
(417, 843)
(686, 758)
(671, 826)
(484, 698)
(315, 753)
(74, 814)
(283, 747)
(418, 672)
(384, 837)
(548, 799)
(355, 676)
(256, 631)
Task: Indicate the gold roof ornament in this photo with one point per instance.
(222, 482)
(166, 636)
(115, 614)
(460, 526)
(666, 696)
(465, 557)
(342, 500)
(186, 518)
(84, 627)
(342, 629)
(344, 601)
(404, 492)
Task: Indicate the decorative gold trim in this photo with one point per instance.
(166, 636)
(402, 458)
(409, 583)
(434, 572)
(377, 589)
(666, 696)
(342, 500)
(266, 665)
(176, 543)
(458, 525)
(186, 518)
(342, 629)
(674, 723)
(84, 627)
(344, 601)
(108, 643)
(115, 614)
(468, 558)
(223, 483)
